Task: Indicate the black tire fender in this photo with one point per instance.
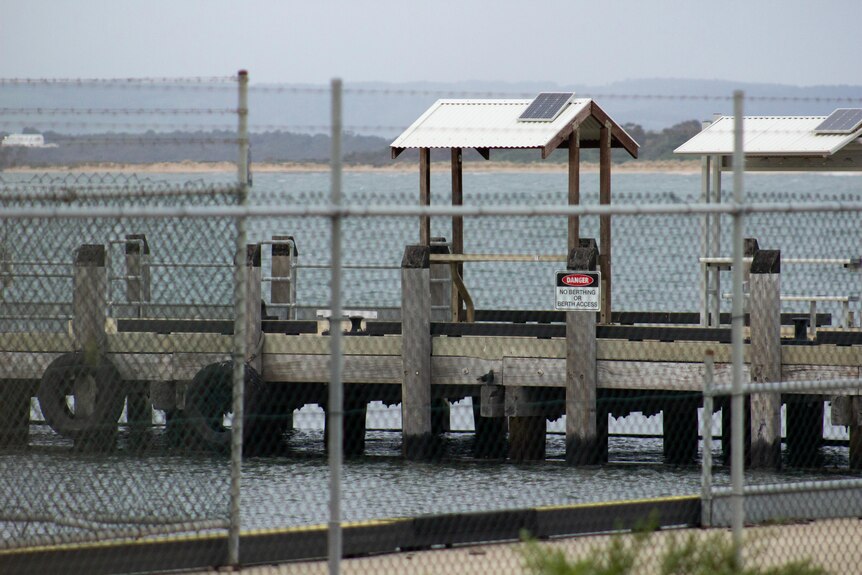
(60, 380)
(210, 397)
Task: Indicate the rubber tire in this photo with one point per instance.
(210, 397)
(58, 381)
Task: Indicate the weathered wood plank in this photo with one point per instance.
(36, 342)
(316, 369)
(184, 366)
(310, 344)
(24, 364)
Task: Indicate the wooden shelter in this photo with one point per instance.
(486, 124)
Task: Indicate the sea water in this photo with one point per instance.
(655, 268)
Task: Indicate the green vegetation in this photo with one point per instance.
(152, 147)
(627, 555)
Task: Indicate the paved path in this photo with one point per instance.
(833, 544)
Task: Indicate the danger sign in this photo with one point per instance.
(578, 291)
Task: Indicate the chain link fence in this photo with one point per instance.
(471, 407)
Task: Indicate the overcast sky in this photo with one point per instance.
(801, 42)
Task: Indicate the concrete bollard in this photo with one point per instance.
(416, 352)
(582, 446)
(765, 410)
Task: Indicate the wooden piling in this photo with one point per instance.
(855, 429)
(680, 430)
(416, 352)
(440, 416)
(283, 289)
(89, 299)
(490, 423)
(139, 414)
(89, 308)
(353, 422)
(527, 438)
(139, 409)
(804, 430)
(138, 272)
(581, 377)
(765, 449)
(15, 413)
(526, 408)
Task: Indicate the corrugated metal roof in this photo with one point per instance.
(768, 136)
(485, 124)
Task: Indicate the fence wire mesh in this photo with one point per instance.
(474, 411)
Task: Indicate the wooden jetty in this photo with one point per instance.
(519, 374)
(520, 368)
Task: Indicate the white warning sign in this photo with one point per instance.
(578, 291)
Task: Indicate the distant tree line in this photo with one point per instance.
(152, 147)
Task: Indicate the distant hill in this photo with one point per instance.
(385, 109)
(290, 122)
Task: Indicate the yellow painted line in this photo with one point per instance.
(607, 504)
(153, 539)
(161, 539)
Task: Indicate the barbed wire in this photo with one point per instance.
(322, 90)
(117, 82)
(117, 111)
(223, 82)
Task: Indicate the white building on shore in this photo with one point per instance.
(25, 141)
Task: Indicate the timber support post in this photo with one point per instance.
(489, 419)
(89, 311)
(138, 272)
(680, 429)
(855, 425)
(283, 287)
(15, 413)
(765, 448)
(416, 352)
(526, 409)
(89, 299)
(139, 410)
(253, 301)
(582, 442)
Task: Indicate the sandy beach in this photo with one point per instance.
(185, 167)
(831, 544)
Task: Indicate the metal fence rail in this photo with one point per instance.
(278, 435)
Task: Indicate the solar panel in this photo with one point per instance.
(841, 121)
(546, 107)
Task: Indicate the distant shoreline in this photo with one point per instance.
(656, 166)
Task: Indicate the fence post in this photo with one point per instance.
(416, 351)
(239, 337)
(765, 450)
(581, 379)
(284, 268)
(706, 464)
